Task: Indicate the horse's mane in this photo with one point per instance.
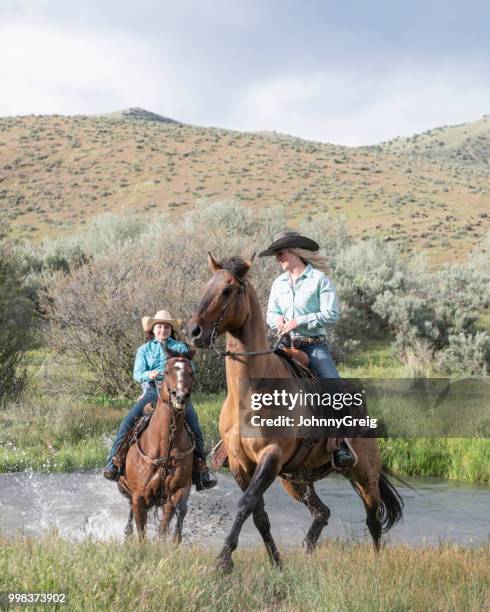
(236, 265)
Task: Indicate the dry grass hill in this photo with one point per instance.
(429, 192)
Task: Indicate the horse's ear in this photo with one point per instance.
(249, 262)
(213, 264)
(164, 394)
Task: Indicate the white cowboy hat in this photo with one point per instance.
(162, 316)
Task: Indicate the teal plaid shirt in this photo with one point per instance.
(152, 356)
(311, 300)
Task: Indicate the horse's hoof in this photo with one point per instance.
(224, 565)
(309, 547)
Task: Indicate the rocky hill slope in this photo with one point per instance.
(429, 192)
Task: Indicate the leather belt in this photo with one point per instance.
(297, 341)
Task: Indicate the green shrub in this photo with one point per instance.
(467, 354)
(100, 283)
(16, 316)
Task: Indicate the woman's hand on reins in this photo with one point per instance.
(280, 321)
(288, 326)
(154, 374)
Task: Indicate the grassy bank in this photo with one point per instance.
(60, 435)
(63, 435)
(339, 576)
(453, 458)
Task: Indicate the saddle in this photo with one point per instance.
(297, 359)
(299, 356)
(133, 434)
(299, 362)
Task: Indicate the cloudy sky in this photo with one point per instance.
(350, 72)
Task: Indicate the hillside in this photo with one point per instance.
(467, 144)
(56, 172)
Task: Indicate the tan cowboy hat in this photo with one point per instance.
(162, 316)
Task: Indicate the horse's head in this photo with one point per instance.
(223, 307)
(178, 380)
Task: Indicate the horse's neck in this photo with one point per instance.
(159, 428)
(251, 337)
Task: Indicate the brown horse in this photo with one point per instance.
(159, 465)
(230, 305)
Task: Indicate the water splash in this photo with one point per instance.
(84, 505)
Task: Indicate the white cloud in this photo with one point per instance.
(58, 67)
(347, 107)
(48, 69)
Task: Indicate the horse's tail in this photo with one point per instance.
(391, 509)
(391, 502)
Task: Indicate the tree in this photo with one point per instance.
(16, 321)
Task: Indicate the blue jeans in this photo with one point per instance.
(320, 360)
(137, 410)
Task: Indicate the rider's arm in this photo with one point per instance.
(328, 307)
(141, 369)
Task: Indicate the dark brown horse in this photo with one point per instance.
(230, 306)
(159, 465)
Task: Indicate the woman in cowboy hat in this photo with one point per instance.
(151, 358)
(302, 303)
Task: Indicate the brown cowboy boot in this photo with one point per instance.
(111, 472)
(201, 476)
(343, 457)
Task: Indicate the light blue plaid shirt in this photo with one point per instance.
(311, 300)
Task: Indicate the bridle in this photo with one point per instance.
(168, 402)
(214, 331)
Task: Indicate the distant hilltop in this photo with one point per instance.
(140, 114)
(429, 192)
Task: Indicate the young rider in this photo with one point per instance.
(149, 366)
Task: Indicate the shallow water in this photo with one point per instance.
(80, 505)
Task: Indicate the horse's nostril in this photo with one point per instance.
(196, 331)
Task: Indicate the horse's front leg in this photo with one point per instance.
(128, 530)
(261, 521)
(140, 512)
(180, 501)
(264, 475)
(168, 511)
